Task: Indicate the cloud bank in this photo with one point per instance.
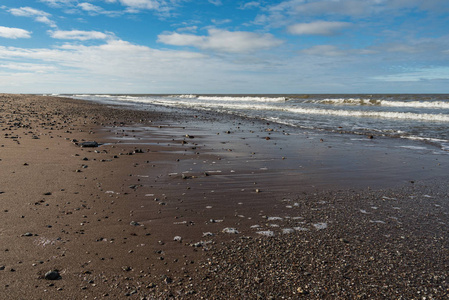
(223, 41)
(14, 33)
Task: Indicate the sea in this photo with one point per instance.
(420, 117)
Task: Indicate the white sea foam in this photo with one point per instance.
(372, 114)
(320, 226)
(413, 147)
(231, 98)
(301, 229)
(266, 233)
(274, 219)
(239, 99)
(230, 230)
(379, 102)
(233, 106)
(184, 96)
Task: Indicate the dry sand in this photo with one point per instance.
(197, 206)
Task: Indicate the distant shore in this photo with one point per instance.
(206, 206)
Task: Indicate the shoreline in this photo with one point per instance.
(193, 177)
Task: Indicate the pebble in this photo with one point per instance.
(52, 275)
(230, 230)
(89, 144)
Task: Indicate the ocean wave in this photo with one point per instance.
(380, 102)
(417, 104)
(243, 98)
(317, 111)
(231, 98)
(373, 114)
(187, 96)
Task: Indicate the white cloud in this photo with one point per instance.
(57, 3)
(223, 41)
(30, 67)
(79, 35)
(188, 28)
(318, 28)
(344, 7)
(324, 50)
(94, 10)
(142, 4)
(221, 22)
(178, 39)
(115, 66)
(27, 12)
(14, 33)
(250, 5)
(90, 7)
(435, 73)
(355, 8)
(38, 15)
(216, 2)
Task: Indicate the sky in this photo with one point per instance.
(221, 46)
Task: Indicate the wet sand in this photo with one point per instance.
(197, 205)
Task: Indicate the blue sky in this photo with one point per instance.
(221, 46)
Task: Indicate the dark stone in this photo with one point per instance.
(89, 144)
(52, 275)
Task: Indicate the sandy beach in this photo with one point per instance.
(201, 206)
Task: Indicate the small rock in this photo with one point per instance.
(230, 230)
(168, 280)
(52, 275)
(89, 144)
